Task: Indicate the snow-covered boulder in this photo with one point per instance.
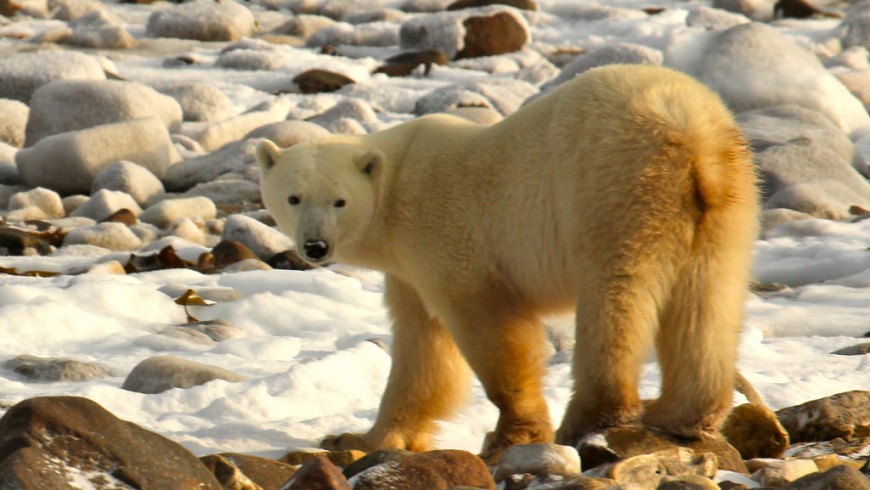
(69, 10)
(467, 33)
(68, 162)
(200, 102)
(204, 20)
(233, 129)
(105, 203)
(132, 179)
(8, 169)
(618, 53)
(99, 30)
(13, 121)
(231, 158)
(72, 105)
(759, 10)
(342, 33)
(748, 65)
(232, 194)
(46, 200)
(855, 28)
(303, 26)
(250, 59)
(289, 133)
(713, 19)
(111, 236)
(167, 211)
(350, 108)
(263, 240)
(503, 95)
(21, 74)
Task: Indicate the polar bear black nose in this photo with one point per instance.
(316, 249)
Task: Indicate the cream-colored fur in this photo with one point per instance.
(627, 195)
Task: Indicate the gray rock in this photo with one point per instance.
(48, 201)
(263, 240)
(250, 59)
(618, 53)
(503, 95)
(21, 74)
(844, 415)
(69, 10)
(356, 109)
(854, 350)
(200, 102)
(111, 236)
(135, 180)
(56, 369)
(105, 203)
(72, 105)
(99, 30)
(713, 19)
(855, 29)
(68, 162)
(341, 33)
(228, 194)
(161, 373)
(203, 21)
(538, 459)
(164, 213)
(233, 157)
(235, 128)
(288, 133)
(8, 169)
(13, 121)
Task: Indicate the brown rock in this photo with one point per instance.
(9, 7)
(229, 252)
(491, 35)
(403, 64)
(316, 81)
(124, 216)
(19, 242)
(47, 441)
(755, 432)
(228, 474)
(837, 478)
(854, 350)
(432, 470)
(616, 443)
(268, 474)
(845, 415)
(780, 472)
(648, 470)
(341, 458)
(373, 459)
(318, 474)
(691, 482)
(852, 449)
(288, 260)
(467, 4)
(799, 9)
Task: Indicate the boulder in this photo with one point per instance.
(105, 203)
(758, 10)
(469, 4)
(73, 105)
(503, 95)
(617, 53)
(406, 63)
(288, 133)
(22, 73)
(316, 81)
(303, 25)
(229, 195)
(460, 34)
(538, 459)
(49, 442)
(111, 236)
(780, 472)
(262, 239)
(755, 432)
(344, 34)
(68, 162)
(349, 108)
(56, 369)
(235, 128)
(713, 19)
(203, 20)
(319, 473)
(842, 477)
(164, 213)
(435, 470)
(845, 415)
(130, 178)
(854, 350)
(46, 200)
(200, 102)
(160, 373)
(648, 470)
(99, 30)
(13, 121)
(229, 159)
(855, 28)
(267, 473)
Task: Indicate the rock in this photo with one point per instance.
(340, 458)
(713, 19)
(389, 15)
(71, 105)
(316, 81)
(247, 265)
(69, 10)
(200, 102)
(541, 458)
(854, 350)
(229, 252)
(111, 267)
(267, 473)
(164, 213)
(618, 443)
(99, 30)
(303, 25)
(131, 179)
(841, 477)
(755, 432)
(263, 240)
(112, 236)
(46, 200)
(160, 373)
(203, 21)
(617, 53)
(855, 29)
(233, 129)
(858, 83)
(318, 473)
(404, 64)
(480, 115)
(19, 242)
(648, 470)
(350, 108)
(123, 216)
(852, 450)
(105, 203)
(288, 260)
(758, 10)
(344, 34)
(780, 472)
(747, 77)
(56, 369)
(22, 73)
(49, 442)
(288, 133)
(13, 121)
(68, 162)
(250, 59)
(185, 228)
(518, 4)
(845, 415)
(488, 32)
(435, 470)
(232, 158)
(230, 196)
(503, 95)
(8, 170)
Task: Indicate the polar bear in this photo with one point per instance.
(626, 195)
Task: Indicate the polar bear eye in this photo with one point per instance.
(294, 200)
(340, 203)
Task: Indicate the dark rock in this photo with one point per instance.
(267, 473)
(866, 468)
(56, 369)
(289, 260)
(229, 252)
(166, 258)
(841, 477)
(854, 449)
(799, 9)
(124, 216)
(433, 470)
(854, 350)
(373, 459)
(47, 443)
(467, 4)
(755, 432)
(403, 64)
(617, 443)
(19, 242)
(340, 458)
(316, 81)
(648, 470)
(160, 373)
(492, 35)
(318, 474)
(845, 415)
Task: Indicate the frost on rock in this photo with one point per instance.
(21, 74)
(200, 101)
(203, 20)
(105, 203)
(130, 178)
(111, 236)
(341, 33)
(165, 212)
(618, 53)
(235, 128)
(503, 95)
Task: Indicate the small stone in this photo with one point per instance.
(492, 35)
(755, 431)
(166, 212)
(841, 477)
(160, 373)
(854, 350)
(442, 469)
(540, 458)
(229, 252)
(780, 472)
(518, 4)
(56, 369)
(649, 469)
(318, 473)
(404, 64)
(123, 216)
(288, 260)
(267, 473)
(317, 81)
(845, 415)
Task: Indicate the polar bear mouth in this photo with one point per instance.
(315, 250)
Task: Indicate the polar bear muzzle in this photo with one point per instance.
(315, 249)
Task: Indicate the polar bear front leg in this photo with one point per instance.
(428, 378)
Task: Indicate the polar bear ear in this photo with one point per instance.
(371, 163)
(267, 154)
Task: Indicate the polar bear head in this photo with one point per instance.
(321, 194)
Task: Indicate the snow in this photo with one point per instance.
(308, 347)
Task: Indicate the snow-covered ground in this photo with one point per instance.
(304, 337)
